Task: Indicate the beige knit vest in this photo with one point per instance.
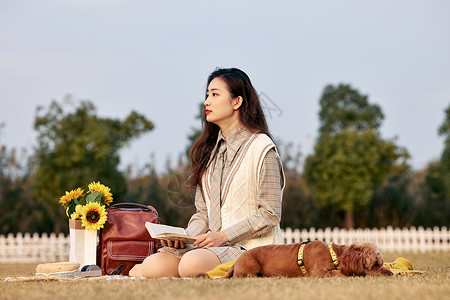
(240, 189)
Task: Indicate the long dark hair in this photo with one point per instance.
(251, 116)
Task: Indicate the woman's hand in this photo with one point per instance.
(174, 244)
(212, 239)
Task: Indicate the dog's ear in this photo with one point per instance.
(369, 262)
(351, 262)
(371, 254)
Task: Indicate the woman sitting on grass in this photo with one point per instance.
(239, 183)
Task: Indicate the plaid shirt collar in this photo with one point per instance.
(233, 142)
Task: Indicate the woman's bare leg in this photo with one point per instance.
(196, 262)
(135, 271)
(156, 266)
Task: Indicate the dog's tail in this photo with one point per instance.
(230, 272)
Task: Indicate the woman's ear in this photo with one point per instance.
(237, 102)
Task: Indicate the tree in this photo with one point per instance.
(166, 192)
(299, 210)
(343, 107)
(438, 179)
(393, 204)
(435, 210)
(20, 212)
(444, 130)
(78, 147)
(350, 158)
(196, 132)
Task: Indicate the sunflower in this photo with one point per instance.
(65, 200)
(77, 213)
(93, 216)
(98, 187)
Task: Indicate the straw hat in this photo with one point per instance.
(58, 269)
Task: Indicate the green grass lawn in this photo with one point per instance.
(433, 284)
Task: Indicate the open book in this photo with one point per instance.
(165, 232)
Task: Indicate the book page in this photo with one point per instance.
(166, 232)
(157, 229)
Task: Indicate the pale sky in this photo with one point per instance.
(154, 57)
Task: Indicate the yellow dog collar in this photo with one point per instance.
(333, 256)
(300, 258)
(301, 263)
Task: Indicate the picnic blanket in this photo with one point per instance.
(61, 271)
(65, 279)
(400, 267)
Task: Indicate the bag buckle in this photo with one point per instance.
(117, 270)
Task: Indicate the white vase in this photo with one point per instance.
(83, 244)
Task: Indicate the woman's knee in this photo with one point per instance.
(160, 265)
(196, 262)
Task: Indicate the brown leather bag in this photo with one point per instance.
(124, 241)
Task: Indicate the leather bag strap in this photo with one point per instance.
(133, 205)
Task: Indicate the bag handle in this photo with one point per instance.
(128, 204)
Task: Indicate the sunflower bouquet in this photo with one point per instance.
(89, 207)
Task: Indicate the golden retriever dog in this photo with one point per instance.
(314, 259)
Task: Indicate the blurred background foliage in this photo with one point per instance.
(354, 178)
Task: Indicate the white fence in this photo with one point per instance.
(34, 248)
(387, 239)
(50, 248)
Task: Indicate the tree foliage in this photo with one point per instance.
(350, 158)
(195, 132)
(349, 168)
(437, 178)
(436, 208)
(444, 130)
(20, 212)
(392, 204)
(298, 208)
(78, 147)
(167, 192)
(345, 108)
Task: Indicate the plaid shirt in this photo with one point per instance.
(271, 182)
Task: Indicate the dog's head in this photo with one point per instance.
(362, 259)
